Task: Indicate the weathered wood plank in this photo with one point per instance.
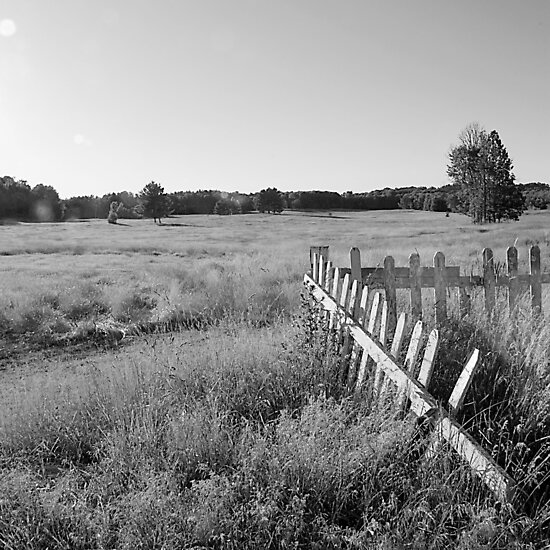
(481, 463)
(322, 262)
(513, 286)
(391, 296)
(329, 276)
(414, 347)
(440, 288)
(489, 279)
(373, 313)
(358, 355)
(415, 281)
(399, 335)
(383, 324)
(355, 263)
(315, 267)
(427, 366)
(344, 296)
(422, 403)
(370, 325)
(536, 288)
(363, 306)
(464, 382)
(335, 293)
(354, 297)
(381, 382)
(411, 358)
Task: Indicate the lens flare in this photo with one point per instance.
(7, 28)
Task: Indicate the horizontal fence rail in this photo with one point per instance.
(358, 316)
(442, 278)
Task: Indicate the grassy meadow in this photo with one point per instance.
(216, 422)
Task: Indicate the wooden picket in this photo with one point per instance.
(362, 332)
(442, 278)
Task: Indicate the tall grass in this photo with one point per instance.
(237, 440)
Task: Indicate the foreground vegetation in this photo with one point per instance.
(235, 435)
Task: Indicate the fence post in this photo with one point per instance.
(440, 288)
(391, 295)
(536, 287)
(512, 264)
(489, 279)
(415, 280)
(355, 262)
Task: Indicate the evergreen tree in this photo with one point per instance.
(480, 165)
(155, 202)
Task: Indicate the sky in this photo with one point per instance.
(343, 95)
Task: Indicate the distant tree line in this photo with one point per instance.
(483, 188)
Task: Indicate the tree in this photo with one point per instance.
(480, 165)
(46, 205)
(269, 200)
(155, 202)
(225, 207)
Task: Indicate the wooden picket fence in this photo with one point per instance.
(442, 278)
(358, 318)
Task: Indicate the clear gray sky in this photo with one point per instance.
(103, 95)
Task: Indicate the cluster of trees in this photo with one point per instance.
(18, 201)
(537, 195)
(479, 166)
(482, 169)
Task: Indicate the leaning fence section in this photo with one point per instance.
(358, 318)
(442, 278)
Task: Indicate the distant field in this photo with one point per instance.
(56, 277)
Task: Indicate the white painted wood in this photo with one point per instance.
(427, 366)
(315, 267)
(399, 334)
(463, 383)
(363, 306)
(373, 313)
(414, 347)
(422, 403)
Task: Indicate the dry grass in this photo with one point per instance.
(57, 277)
(236, 437)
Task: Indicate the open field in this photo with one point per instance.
(231, 434)
(57, 278)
